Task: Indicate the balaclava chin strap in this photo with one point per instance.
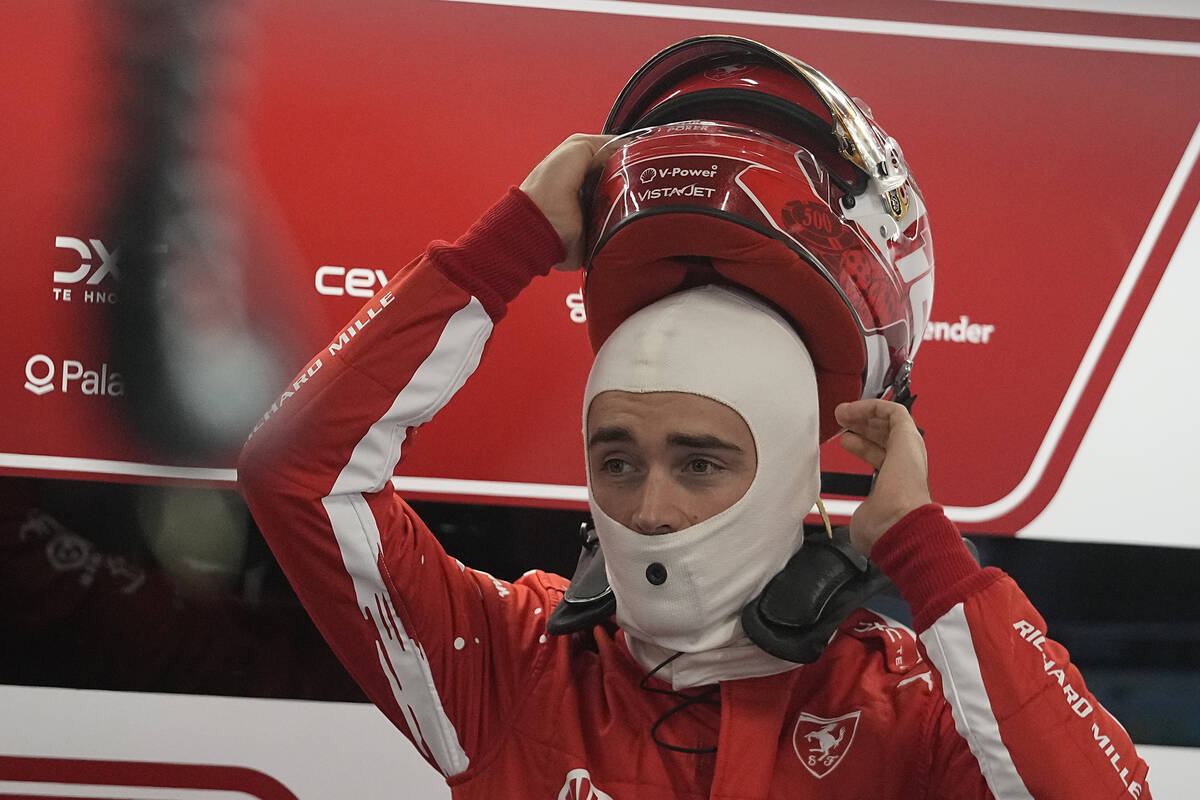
(728, 346)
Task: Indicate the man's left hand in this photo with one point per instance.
(884, 435)
(554, 186)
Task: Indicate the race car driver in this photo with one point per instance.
(698, 481)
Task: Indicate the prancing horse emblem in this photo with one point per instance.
(821, 743)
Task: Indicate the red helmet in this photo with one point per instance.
(741, 164)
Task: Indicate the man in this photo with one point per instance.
(701, 444)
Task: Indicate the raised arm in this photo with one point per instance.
(443, 650)
(1018, 705)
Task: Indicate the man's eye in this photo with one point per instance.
(615, 466)
(702, 466)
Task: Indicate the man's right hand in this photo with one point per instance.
(883, 434)
(554, 186)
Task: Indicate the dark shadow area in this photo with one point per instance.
(151, 588)
(1129, 617)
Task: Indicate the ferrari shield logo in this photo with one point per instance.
(820, 743)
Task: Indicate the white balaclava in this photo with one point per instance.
(731, 347)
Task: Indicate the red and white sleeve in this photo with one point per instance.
(442, 649)
(1018, 703)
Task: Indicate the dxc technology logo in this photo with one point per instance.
(96, 262)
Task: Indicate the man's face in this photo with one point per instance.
(660, 462)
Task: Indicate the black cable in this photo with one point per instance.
(688, 700)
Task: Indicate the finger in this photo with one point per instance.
(855, 414)
(574, 156)
(878, 419)
(589, 148)
(863, 449)
(595, 141)
(865, 419)
(876, 430)
(862, 411)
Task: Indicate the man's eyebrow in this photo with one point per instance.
(701, 442)
(609, 433)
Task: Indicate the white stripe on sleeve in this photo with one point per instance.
(401, 658)
(948, 643)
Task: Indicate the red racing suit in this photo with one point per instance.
(981, 704)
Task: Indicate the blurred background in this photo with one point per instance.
(200, 194)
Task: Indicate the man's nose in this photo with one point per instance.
(659, 507)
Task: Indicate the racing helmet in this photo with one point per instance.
(737, 163)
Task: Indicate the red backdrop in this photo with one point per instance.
(1046, 160)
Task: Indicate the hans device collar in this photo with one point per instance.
(589, 599)
(793, 618)
(800, 609)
